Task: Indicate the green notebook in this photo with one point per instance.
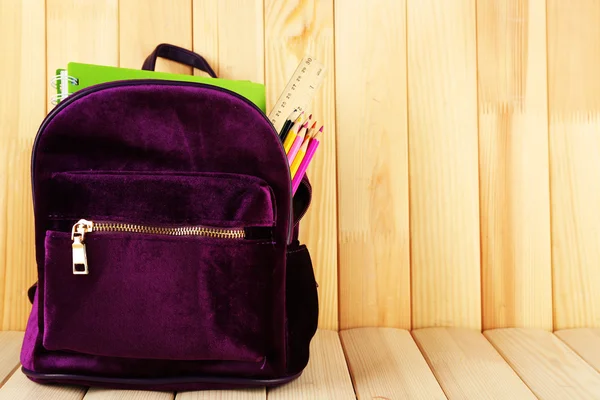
(78, 76)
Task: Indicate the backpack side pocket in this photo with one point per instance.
(302, 306)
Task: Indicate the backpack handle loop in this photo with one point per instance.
(180, 55)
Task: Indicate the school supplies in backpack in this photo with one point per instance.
(166, 239)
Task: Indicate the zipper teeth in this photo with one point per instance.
(171, 231)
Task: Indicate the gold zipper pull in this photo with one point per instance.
(80, 265)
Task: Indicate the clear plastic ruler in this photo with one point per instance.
(299, 91)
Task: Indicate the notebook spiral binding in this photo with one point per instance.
(61, 83)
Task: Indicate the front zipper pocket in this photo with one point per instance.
(159, 296)
(83, 227)
(162, 266)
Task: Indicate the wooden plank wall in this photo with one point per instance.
(22, 107)
(459, 181)
(513, 164)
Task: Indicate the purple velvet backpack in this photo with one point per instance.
(166, 241)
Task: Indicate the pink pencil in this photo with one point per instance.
(297, 143)
(310, 152)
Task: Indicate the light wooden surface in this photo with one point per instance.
(546, 365)
(292, 30)
(241, 394)
(229, 34)
(22, 107)
(80, 31)
(459, 178)
(10, 345)
(111, 394)
(585, 342)
(327, 378)
(373, 165)
(513, 162)
(467, 366)
(444, 187)
(574, 104)
(437, 116)
(386, 363)
(144, 24)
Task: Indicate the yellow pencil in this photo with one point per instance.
(293, 137)
(289, 141)
(299, 157)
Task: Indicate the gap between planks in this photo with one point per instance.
(584, 342)
(546, 364)
(467, 366)
(385, 363)
(10, 346)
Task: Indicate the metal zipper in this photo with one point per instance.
(83, 227)
(159, 82)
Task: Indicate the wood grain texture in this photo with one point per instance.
(467, 366)
(585, 342)
(546, 365)
(325, 377)
(111, 394)
(237, 27)
(374, 247)
(385, 363)
(513, 158)
(242, 394)
(145, 24)
(19, 387)
(574, 108)
(22, 108)
(205, 29)
(444, 189)
(229, 34)
(10, 349)
(81, 31)
(292, 30)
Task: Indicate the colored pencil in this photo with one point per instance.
(299, 157)
(288, 127)
(310, 152)
(289, 141)
(284, 128)
(298, 123)
(297, 143)
(311, 131)
(317, 133)
(295, 127)
(289, 122)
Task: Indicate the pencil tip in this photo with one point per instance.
(313, 125)
(310, 116)
(321, 130)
